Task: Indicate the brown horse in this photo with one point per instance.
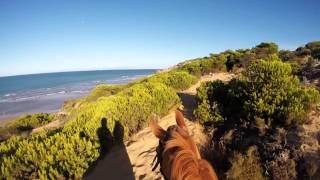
(178, 155)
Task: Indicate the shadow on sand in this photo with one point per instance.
(114, 162)
(189, 103)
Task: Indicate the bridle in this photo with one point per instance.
(160, 148)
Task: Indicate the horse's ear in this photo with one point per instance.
(180, 120)
(158, 131)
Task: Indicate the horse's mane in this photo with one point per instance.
(187, 163)
(179, 154)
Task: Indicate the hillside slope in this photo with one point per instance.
(133, 159)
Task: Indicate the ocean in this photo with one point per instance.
(34, 93)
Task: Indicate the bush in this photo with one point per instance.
(69, 152)
(282, 167)
(192, 67)
(30, 122)
(74, 106)
(207, 111)
(206, 65)
(233, 58)
(241, 58)
(207, 114)
(218, 101)
(267, 90)
(263, 50)
(178, 80)
(219, 62)
(103, 90)
(275, 94)
(24, 123)
(246, 166)
(314, 48)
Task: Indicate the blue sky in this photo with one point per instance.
(50, 36)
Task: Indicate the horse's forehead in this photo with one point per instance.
(172, 128)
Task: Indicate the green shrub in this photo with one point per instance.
(193, 67)
(207, 114)
(218, 101)
(246, 166)
(207, 111)
(241, 58)
(104, 90)
(218, 62)
(206, 65)
(233, 58)
(267, 90)
(314, 48)
(24, 123)
(275, 94)
(72, 106)
(178, 80)
(32, 121)
(286, 55)
(263, 50)
(69, 152)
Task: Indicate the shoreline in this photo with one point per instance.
(51, 104)
(46, 104)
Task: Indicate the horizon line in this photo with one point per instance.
(67, 71)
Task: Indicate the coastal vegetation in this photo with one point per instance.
(259, 117)
(246, 166)
(178, 80)
(267, 90)
(104, 90)
(71, 150)
(24, 124)
(257, 107)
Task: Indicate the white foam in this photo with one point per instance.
(78, 91)
(10, 94)
(51, 94)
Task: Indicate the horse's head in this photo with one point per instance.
(177, 153)
(180, 127)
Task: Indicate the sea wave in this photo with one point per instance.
(76, 88)
(80, 92)
(26, 96)
(10, 94)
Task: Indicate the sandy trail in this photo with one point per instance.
(133, 159)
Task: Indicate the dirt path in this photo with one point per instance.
(133, 159)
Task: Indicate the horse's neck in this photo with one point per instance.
(195, 149)
(181, 157)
